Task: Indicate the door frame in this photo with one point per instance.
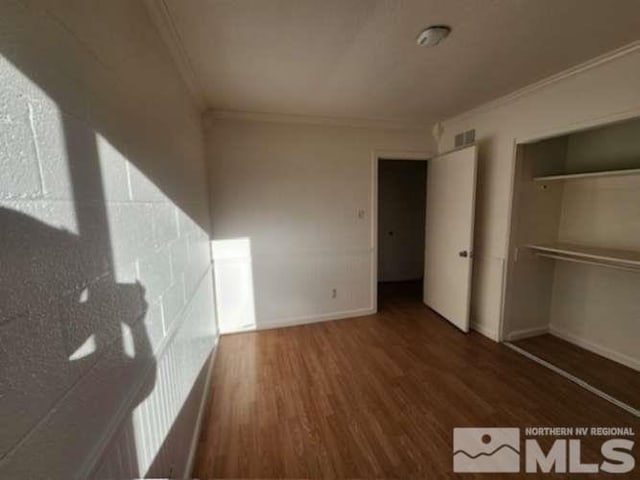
(376, 156)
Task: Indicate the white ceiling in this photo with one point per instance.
(358, 58)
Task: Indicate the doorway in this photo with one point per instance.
(401, 229)
(443, 200)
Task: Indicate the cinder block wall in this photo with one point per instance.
(106, 295)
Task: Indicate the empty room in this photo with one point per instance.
(319, 239)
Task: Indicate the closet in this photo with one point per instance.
(573, 281)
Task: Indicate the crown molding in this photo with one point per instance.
(545, 82)
(212, 115)
(161, 17)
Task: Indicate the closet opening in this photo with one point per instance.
(573, 282)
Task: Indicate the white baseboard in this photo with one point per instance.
(291, 322)
(484, 330)
(527, 332)
(601, 350)
(193, 447)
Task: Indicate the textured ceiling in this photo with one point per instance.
(358, 58)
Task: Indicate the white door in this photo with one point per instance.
(451, 192)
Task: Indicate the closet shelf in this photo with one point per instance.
(606, 257)
(578, 176)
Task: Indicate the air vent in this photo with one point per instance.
(464, 138)
(469, 136)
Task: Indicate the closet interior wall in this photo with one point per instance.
(594, 306)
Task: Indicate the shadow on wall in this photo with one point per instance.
(72, 338)
(483, 176)
(106, 296)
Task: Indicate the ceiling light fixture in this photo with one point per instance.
(433, 35)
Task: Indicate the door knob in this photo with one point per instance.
(463, 254)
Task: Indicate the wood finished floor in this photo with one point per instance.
(611, 377)
(377, 396)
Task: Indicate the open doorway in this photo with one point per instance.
(409, 195)
(401, 230)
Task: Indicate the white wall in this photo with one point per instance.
(401, 215)
(294, 191)
(612, 147)
(106, 297)
(596, 307)
(602, 91)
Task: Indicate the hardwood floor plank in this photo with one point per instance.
(376, 396)
(611, 377)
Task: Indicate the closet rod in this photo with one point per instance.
(588, 262)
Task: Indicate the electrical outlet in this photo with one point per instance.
(334, 293)
(361, 213)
